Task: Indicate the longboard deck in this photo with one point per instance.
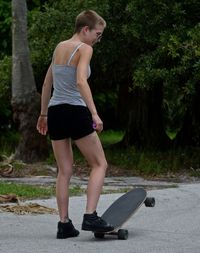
(124, 207)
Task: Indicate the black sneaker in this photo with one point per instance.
(94, 223)
(66, 230)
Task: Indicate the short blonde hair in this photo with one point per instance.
(88, 18)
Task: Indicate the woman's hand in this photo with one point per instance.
(97, 123)
(42, 125)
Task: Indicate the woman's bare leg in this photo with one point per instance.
(64, 157)
(90, 146)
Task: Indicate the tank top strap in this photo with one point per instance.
(73, 53)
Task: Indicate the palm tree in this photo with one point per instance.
(25, 99)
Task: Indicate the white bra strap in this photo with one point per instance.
(73, 53)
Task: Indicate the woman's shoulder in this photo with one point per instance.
(68, 45)
(62, 44)
(85, 48)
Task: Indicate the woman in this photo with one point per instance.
(71, 114)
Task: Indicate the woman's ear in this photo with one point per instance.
(85, 29)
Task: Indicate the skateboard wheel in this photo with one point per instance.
(149, 202)
(122, 234)
(99, 235)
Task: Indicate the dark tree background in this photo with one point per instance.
(145, 73)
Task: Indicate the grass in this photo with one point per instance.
(133, 162)
(29, 192)
(8, 142)
(107, 138)
(154, 163)
(25, 192)
(142, 163)
(111, 137)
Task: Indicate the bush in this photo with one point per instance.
(5, 93)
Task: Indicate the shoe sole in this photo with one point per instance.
(64, 236)
(102, 230)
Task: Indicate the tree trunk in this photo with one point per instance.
(145, 127)
(189, 134)
(25, 99)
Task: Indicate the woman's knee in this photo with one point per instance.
(65, 173)
(101, 164)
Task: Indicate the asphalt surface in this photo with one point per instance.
(172, 226)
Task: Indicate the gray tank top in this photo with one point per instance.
(65, 84)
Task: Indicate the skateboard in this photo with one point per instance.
(121, 211)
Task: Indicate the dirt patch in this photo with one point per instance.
(32, 208)
(13, 169)
(19, 169)
(82, 170)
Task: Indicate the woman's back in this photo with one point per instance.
(64, 65)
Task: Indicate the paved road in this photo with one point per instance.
(172, 226)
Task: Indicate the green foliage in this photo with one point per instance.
(35, 4)
(150, 163)
(145, 44)
(5, 92)
(8, 141)
(168, 32)
(5, 28)
(6, 23)
(57, 21)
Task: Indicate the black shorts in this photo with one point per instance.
(69, 121)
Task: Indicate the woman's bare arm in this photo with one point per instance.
(82, 83)
(46, 95)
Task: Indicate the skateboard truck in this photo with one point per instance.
(122, 209)
(121, 234)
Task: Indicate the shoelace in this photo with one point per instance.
(100, 220)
